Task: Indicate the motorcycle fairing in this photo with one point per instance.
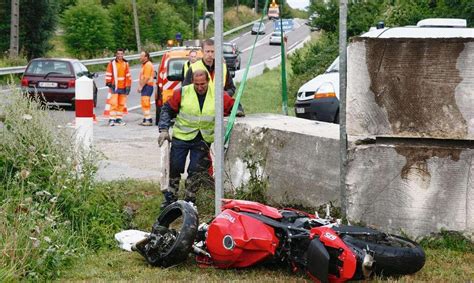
(238, 240)
(251, 206)
(318, 261)
(346, 258)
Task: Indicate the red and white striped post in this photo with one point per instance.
(84, 111)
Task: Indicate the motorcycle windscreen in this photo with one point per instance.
(237, 240)
(318, 260)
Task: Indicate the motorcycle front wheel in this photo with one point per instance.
(393, 255)
(172, 235)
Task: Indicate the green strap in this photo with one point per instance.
(284, 90)
(230, 123)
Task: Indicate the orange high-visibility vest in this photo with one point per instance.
(118, 74)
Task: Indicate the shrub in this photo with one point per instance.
(50, 208)
(87, 29)
(312, 60)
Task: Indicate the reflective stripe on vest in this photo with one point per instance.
(190, 119)
(199, 65)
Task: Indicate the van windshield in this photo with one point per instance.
(175, 67)
(334, 67)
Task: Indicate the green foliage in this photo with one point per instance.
(51, 211)
(37, 23)
(312, 60)
(256, 187)
(87, 29)
(451, 240)
(121, 17)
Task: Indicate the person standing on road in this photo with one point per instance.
(207, 63)
(193, 132)
(119, 81)
(145, 87)
(192, 58)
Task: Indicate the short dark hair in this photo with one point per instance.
(119, 49)
(207, 42)
(147, 55)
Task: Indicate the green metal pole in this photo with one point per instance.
(284, 90)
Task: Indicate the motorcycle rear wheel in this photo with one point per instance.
(393, 255)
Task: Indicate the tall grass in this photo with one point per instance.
(51, 209)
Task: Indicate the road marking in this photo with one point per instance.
(237, 38)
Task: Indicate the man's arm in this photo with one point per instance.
(228, 104)
(229, 84)
(169, 110)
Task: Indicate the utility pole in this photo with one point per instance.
(342, 104)
(137, 28)
(192, 23)
(237, 8)
(204, 6)
(256, 6)
(14, 28)
(219, 103)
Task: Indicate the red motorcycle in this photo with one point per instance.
(246, 233)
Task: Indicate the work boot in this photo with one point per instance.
(240, 111)
(190, 199)
(119, 122)
(169, 199)
(111, 122)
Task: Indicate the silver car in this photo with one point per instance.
(275, 38)
(258, 29)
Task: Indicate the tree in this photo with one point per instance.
(38, 19)
(87, 29)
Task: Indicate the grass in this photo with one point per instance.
(262, 94)
(446, 262)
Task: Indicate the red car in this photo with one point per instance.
(54, 79)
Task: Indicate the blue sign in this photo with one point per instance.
(178, 36)
(287, 25)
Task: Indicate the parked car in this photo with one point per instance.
(275, 38)
(232, 56)
(53, 80)
(258, 29)
(318, 99)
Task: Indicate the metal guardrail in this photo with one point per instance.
(21, 69)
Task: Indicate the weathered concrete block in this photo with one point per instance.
(300, 158)
(417, 189)
(411, 88)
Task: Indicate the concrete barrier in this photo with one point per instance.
(420, 88)
(299, 157)
(411, 188)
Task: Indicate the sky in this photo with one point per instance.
(298, 4)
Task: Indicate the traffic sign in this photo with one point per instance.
(287, 25)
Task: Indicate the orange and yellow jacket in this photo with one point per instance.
(118, 74)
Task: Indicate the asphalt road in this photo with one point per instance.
(263, 52)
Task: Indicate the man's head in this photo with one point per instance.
(119, 53)
(200, 81)
(192, 56)
(208, 50)
(144, 57)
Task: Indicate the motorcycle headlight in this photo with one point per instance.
(228, 242)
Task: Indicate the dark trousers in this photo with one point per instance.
(199, 163)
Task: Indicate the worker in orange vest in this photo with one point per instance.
(119, 81)
(145, 87)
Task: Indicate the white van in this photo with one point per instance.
(318, 99)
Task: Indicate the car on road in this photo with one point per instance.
(231, 56)
(318, 99)
(275, 38)
(53, 80)
(258, 29)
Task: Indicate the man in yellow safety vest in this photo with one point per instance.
(193, 132)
